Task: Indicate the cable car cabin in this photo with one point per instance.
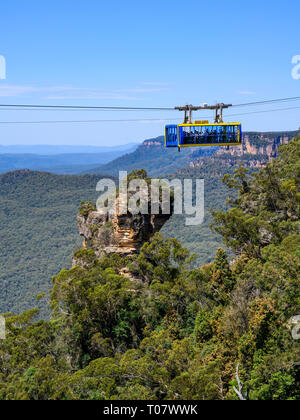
(171, 132)
(196, 135)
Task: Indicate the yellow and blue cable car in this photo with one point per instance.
(201, 133)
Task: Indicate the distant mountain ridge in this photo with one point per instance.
(152, 156)
(157, 160)
(47, 149)
(81, 159)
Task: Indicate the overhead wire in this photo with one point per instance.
(139, 119)
(295, 98)
(88, 121)
(20, 107)
(126, 108)
(82, 107)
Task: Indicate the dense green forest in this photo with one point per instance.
(38, 215)
(38, 232)
(39, 236)
(176, 331)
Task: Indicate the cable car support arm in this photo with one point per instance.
(188, 111)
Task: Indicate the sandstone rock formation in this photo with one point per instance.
(121, 234)
(258, 144)
(256, 151)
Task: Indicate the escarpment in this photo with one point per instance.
(259, 144)
(257, 150)
(119, 233)
(122, 234)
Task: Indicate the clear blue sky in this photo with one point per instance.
(135, 53)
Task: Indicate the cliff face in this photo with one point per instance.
(118, 233)
(153, 143)
(122, 234)
(256, 151)
(258, 148)
(259, 144)
(231, 161)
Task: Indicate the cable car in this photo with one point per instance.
(201, 133)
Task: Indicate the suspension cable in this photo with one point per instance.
(20, 107)
(139, 119)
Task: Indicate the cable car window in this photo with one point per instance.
(171, 136)
(203, 135)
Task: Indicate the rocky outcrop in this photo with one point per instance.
(230, 162)
(259, 144)
(256, 151)
(123, 234)
(152, 143)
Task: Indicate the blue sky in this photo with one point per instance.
(158, 53)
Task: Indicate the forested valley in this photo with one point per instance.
(173, 329)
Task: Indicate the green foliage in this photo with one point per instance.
(170, 330)
(267, 207)
(38, 214)
(38, 232)
(86, 208)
